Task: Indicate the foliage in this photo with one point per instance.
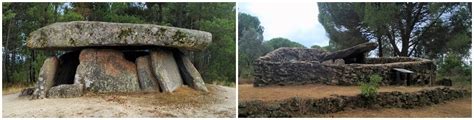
(455, 69)
(276, 43)
(317, 46)
(216, 63)
(439, 31)
(369, 89)
(400, 29)
(250, 43)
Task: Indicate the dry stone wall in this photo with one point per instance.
(290, 66)
(297, 107)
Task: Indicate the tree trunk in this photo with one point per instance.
(380, 48)
(160, 13)
(6, 54)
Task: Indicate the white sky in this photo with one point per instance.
(295, 21)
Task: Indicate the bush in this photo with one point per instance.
(369, 89)
(453, 67)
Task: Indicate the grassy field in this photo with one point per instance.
(14, 88)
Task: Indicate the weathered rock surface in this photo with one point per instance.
(165, 69)
(66, 91)
(357, 51)
(45, 78)
(106, 70)
(294, 54)
(190, 74)
(27, 92)
(70, 35)
(146, 78)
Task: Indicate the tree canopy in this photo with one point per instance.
(250, 43)
(276, 43)
(438, 31)
(402, 29)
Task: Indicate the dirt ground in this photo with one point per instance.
(248, 92)
(456, 108)
(185, 102)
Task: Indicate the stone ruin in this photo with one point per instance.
(107, 57)
(294, 66)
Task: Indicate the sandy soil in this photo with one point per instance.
(185, 102)
(455, 108)
(248, 92)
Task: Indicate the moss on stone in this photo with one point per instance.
(125, 33)
(179, 36)
(160, 33)
(72, 42)
(42, 40)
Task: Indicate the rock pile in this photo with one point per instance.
(294, 107)
(294, 66)
(116, 57)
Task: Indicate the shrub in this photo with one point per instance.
(369, 89)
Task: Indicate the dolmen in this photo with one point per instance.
(297, 66)
(103, 57)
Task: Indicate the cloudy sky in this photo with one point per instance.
(295, 21)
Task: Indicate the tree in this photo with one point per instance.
(439, 31)
(276, 43)
(250, 48)
(406, 29)
(341, 22)
(250, 43)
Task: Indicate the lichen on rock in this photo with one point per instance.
(72, 35)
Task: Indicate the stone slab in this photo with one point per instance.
(78, 34)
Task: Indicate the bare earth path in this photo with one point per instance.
(185, 102)
(248, 92)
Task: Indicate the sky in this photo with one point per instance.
(295, 21)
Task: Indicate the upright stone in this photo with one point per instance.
(165, 69)
(46, 78)
(190, 74)
(146, 78)
(106, 70)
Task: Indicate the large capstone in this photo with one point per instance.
(46, 78)
(78, 34)
(355, 54)
(106, 70)
(165, 69)
(146, 78)
(190, 74)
